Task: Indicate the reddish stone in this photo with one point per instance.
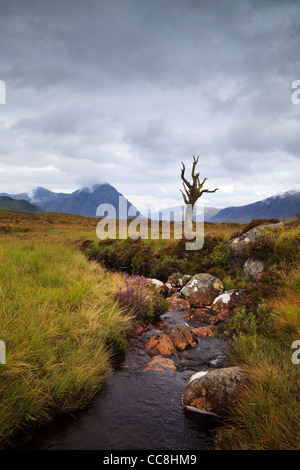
(161, 344)
(160, 364)
(204, 332)
(178, 304)
(202, 315)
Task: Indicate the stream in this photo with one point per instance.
(139, 409)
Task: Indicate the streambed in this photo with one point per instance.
(140, 409)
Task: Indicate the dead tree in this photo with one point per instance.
(193, 190)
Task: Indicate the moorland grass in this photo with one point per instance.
(58, 316)
(267, 416)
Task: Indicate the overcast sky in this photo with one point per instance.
(122, 91)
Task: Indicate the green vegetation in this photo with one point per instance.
(59, 318)
(18, 205)
(261, 335)
(62, 316)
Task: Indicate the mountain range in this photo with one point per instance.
(85, 202)
(19, 205)
(283, 207)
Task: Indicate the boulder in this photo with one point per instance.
(252, 269)
(201, 315)
(177, 303)
(214, 391)
(202, 289)
(179, 280)
(160, 364)
(188, 333)
(204, 332)
(179, 340)
(226, 304)
(237, 248)
(159, 286)
(161, 344)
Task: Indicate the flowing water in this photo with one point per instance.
(140, 409)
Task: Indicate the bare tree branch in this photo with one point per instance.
(193, 190)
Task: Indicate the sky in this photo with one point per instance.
(123, 91)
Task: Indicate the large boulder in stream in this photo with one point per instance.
(202, 289)
(214, 391)
(161, 344)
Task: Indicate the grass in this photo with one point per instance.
(268, 416)
(58, 318)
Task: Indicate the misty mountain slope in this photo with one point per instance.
(176, 213)
(281, 207)
(19, 205)
(84, 201)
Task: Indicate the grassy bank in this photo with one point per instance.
(58, 317)
(262, 334)
(61, 312)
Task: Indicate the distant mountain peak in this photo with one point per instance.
(282, 206)
(84, 201)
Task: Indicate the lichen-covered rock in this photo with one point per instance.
(202, 315)
(226, 304)
(237, 248)
(188, 333)
(252, 269)
(179, 340)
(160, 364)
(203, 332)
(177, 303)
(202, 289)
(214, 391)
(159, 286)
(161, 344)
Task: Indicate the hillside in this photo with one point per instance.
(19, 205)
(283, 207)
(83, 202)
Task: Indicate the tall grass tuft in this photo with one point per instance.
(58, 316)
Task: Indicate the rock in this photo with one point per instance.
(204, 332)
(171, 289)
(202, 289)
(177, 304)
(188, 333)
(159, 286)
(161, 344)
(202, 315)
(252, 269)
(214, 391)
(226, 304)
(179, 340)
(237, 248)
(160, 363)
(179, 280)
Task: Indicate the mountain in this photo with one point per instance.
(282, 207)
(177, 213)
(19, 205)
(84, 201)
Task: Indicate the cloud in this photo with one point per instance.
(124, 91)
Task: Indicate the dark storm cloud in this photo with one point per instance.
(123, 91)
